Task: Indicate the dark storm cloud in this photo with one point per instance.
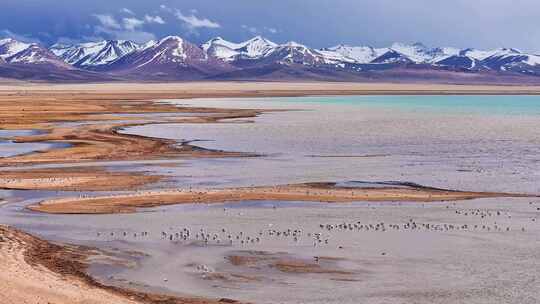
(319, 23)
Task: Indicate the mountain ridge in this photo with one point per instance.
(174, 58)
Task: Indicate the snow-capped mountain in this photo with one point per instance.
(251, 49)
(355, 54)
(36, 54)
(10, 47)
(503, 59)
(459, 62)
(94, 53)
(259, 50)
(392, 57)
(16, 52)
(295, 53)
(419, 53)
(31, 61)
(171, 57)
(397, 53)
(220, 54)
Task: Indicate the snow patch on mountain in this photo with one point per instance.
(357, 54)
(36, 54)
(94, 53)
(10, 47)
(533, 60)
(254, 48)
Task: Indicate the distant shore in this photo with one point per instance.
(264, 89)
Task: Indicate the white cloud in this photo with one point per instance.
(131, 24)
(71, 41)
(110, 27)
(5, 33)
(154, 19)
(271, 30)
(127, 11)
(127, 28)
(191, 21)
(108, 21)
(137, 36)
(250, 29)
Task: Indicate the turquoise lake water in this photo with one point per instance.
(486, 104)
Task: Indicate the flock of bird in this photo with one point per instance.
(322, 234)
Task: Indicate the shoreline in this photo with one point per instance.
(88, 124)
(211, 89)
(74, 179)
(62, 275)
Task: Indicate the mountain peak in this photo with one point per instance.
(176, 39)
(35, 54)
(261, 40)
(173, 57)
(10, 47)
(218, 38)
(229, 51)
(91, 54)
(6, 40)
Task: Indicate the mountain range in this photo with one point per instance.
(174, 58)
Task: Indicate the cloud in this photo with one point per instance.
(108, 21)
(82, 39)
(131, 24)
(191, 21)
(127, 11)
(257, 31)
(137, 36)
(154, 19)
(250, 29)
(195, 22)
(5, 33)
(271, 30)
(127, 29)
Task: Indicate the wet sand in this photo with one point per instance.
(317, 192)
(85, 123)
(100, 141)
(74, 179)
(35, 271)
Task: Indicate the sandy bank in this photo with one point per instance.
(35, 271)
(75, 179)
(319, 192)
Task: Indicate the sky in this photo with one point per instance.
(480, 24)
